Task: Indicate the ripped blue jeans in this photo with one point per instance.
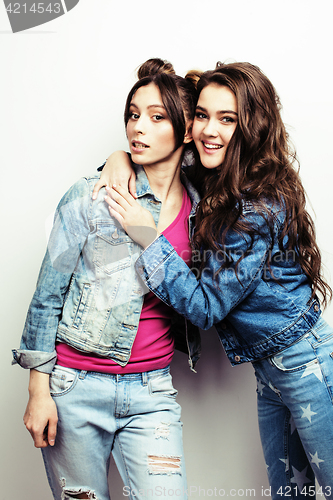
(134, 416)
(295, 411)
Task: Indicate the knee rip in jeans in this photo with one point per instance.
(164, 465)
(76, 493)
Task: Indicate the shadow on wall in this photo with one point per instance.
(221, 439)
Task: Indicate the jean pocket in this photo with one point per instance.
(295, 358)
(62, 380)
(161, 385)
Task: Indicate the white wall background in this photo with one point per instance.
(63, 87)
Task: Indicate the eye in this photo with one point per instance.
(228, 119)
(134, 116)
(200, 115)
(158, 117)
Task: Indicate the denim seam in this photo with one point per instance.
(48, 474)
(320, 361)
(117, 437)
(286, 445)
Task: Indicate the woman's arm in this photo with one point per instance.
(40, 417)
(207, 300)
(117, 170)
(67, 238)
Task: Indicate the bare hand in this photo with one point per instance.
(117, 170)
(40, 418)
(136, 221)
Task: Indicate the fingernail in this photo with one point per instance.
(114, 185)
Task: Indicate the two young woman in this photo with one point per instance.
(110, 389)
(260, 272)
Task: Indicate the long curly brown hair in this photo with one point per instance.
(259, 166)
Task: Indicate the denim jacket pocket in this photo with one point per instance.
(161, 385)
(62, 380)
(113, 247)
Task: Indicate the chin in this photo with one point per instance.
(210, 164)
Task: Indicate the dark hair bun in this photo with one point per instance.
(194, 76)
(155, 67)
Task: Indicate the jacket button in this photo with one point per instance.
(224, 326)
(316, 308)
(237, 358)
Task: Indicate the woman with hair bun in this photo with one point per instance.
(260, 272)
(99, 346)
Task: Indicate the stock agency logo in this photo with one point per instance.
(28, 14)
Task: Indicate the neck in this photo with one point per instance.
(164, 178)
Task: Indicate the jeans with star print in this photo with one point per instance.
(295, 412)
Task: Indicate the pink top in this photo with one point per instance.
(153, 345)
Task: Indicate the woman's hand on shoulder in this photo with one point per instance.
(136, 221)
(117, 170)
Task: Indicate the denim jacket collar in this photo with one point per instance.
(143, 188)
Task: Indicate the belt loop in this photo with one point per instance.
(144, 378)
(82, 375)
(315, 334)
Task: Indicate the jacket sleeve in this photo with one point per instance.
(67, 238)
(207, 299)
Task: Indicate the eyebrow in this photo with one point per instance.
(200, 108)
(151, 106)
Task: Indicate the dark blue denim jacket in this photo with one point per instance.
(257, 309)
(88, 293)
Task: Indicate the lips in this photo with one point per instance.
(211, 146)
(139, 145)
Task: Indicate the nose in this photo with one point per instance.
(210, 128)
(139, 126)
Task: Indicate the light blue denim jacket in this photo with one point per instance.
(255, 315)
(88, 293)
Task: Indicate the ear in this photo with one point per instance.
(188, 135)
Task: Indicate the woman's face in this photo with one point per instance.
(149, 130)
(214, 123)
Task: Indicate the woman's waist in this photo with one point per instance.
(119, 334)
(158, 356)
(249, 337)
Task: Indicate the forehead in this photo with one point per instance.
(147, 96)
(216, 97)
